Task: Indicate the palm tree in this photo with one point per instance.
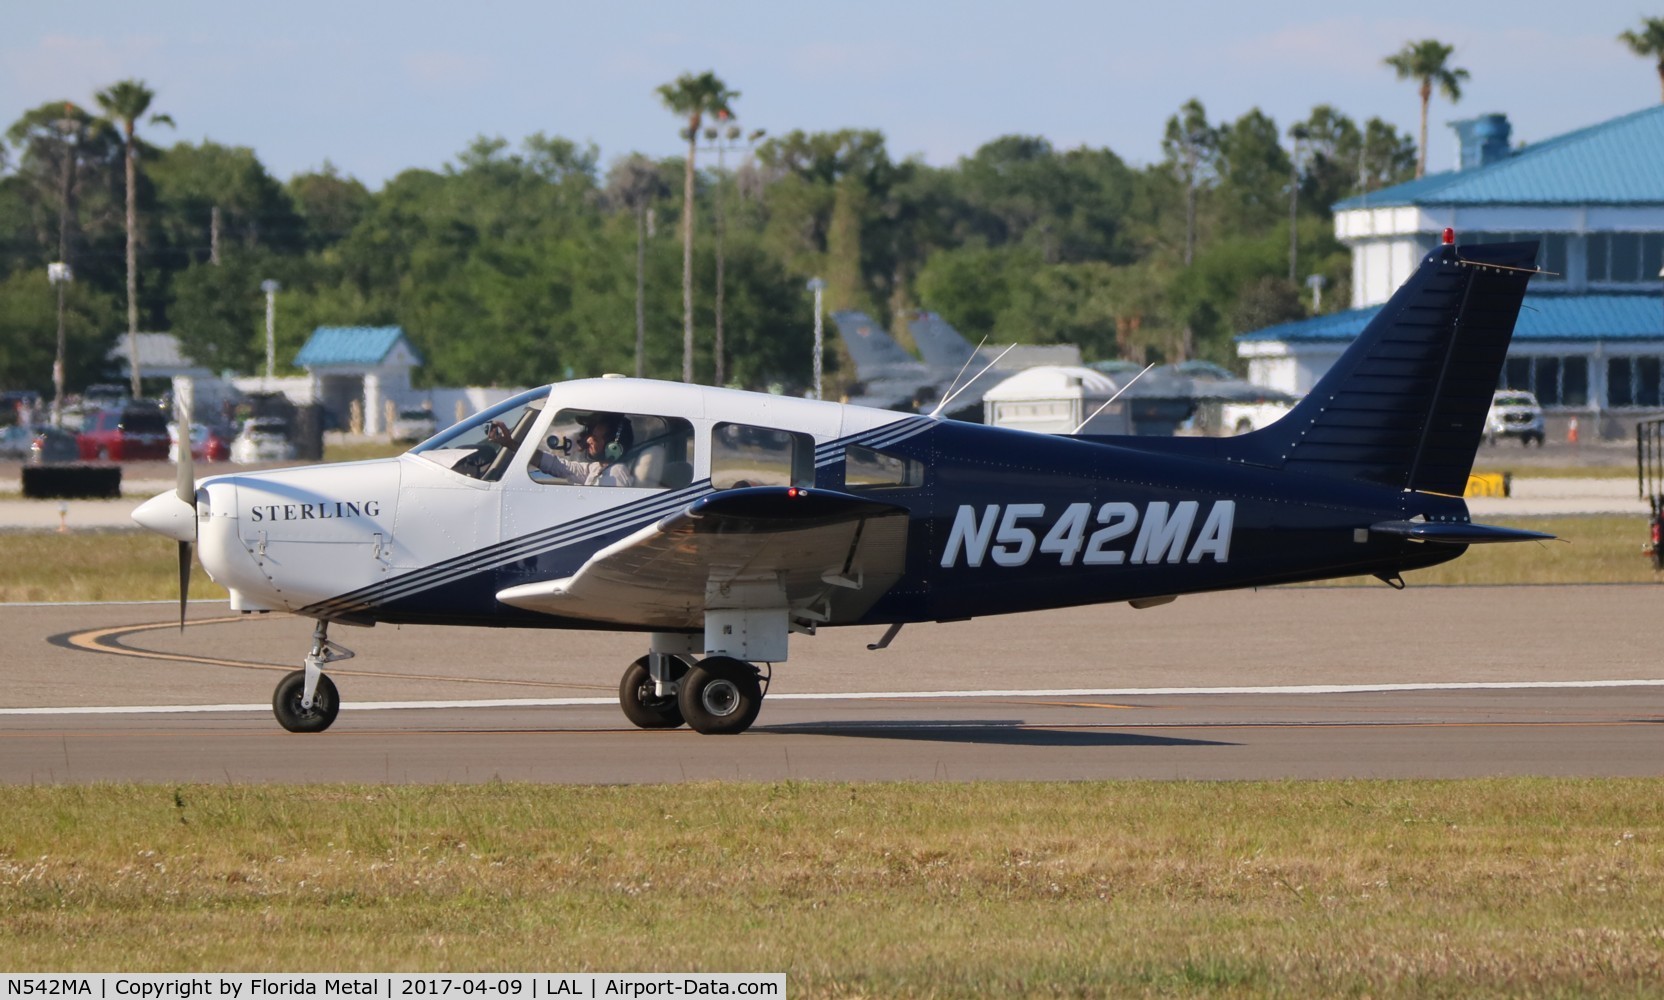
(124, 104)
(634, 182)
(1648, 43)
(1425, 61)
(695, 97)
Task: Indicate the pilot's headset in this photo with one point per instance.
(623, 437)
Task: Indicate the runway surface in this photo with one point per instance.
(1284, 683)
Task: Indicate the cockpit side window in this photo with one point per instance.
(482, 446)
(604, 448)
(744, 455)
(866, 469)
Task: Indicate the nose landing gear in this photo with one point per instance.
(305, 700)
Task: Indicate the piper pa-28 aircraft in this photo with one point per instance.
(719, 522)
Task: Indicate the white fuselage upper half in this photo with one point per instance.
(294, 539)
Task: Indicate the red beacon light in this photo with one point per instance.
(1449, 237)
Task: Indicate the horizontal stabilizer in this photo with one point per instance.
(1456, 533)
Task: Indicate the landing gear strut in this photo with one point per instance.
(639, 692)
(306, 701)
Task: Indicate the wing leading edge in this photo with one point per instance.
(821, 556)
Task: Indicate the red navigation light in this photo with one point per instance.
(1449, 236)
(792, 492)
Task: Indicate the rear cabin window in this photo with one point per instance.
(745, 455)
(597, 448)
(866, 469)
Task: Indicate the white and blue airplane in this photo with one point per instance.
(718, 522)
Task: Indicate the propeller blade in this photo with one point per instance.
(185, 486)
(186, 482)
(184, 580)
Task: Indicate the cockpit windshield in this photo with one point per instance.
(483, 445)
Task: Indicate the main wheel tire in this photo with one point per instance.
(326, 704)
(721, 696)
(641, 706)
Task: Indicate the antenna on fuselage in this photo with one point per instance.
(1113, 398)
(949, 397)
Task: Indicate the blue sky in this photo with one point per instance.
(379, 88)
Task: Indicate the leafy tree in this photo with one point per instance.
(329, 204)
(1253, 172)
(693, 97)
(1191, 146)
(1426, 62)
(254, 209)
(1648, 43)
(124, 103)
(28, 331)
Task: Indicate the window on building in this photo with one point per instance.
(1556, 381)
(1634, 381)
(1624, 257)
(1620, 389)
(865, 469)
(743, 455)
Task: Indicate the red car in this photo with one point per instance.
(134, 433)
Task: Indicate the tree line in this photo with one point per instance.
(533, 261)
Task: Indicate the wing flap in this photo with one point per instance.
(827, 555)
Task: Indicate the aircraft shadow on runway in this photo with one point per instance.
(989, 732)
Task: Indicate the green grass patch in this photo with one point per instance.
(95, 566)
(1592, 549)
(1517, 887)
(361, 450)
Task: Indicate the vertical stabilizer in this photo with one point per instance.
(1405, 404)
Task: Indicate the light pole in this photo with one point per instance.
(270, 287)
(59, 274)
(1316, 282)
(817, 286)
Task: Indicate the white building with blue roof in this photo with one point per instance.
(1590, 336)
(366, 365)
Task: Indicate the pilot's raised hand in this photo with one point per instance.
(497, 433)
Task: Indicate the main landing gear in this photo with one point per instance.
(719, 695)
(306, 701)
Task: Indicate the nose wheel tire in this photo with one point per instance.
(721, 696)
(326, 704)
(641, 705)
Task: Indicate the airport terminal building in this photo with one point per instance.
(1590, 337)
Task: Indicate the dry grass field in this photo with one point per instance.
(1383, 889)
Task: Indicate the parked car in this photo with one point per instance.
(131, 433)
(262, 439)
(1514, 413)
(207, 444)
(415, 425)
(104, 396)
(53, 444)
(15, 441)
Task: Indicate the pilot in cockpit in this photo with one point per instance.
(602, 440)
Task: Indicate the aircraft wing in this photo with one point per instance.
(827, 556)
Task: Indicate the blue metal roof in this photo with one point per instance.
(1612, 163)
(351, 345)
(1542, 317)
